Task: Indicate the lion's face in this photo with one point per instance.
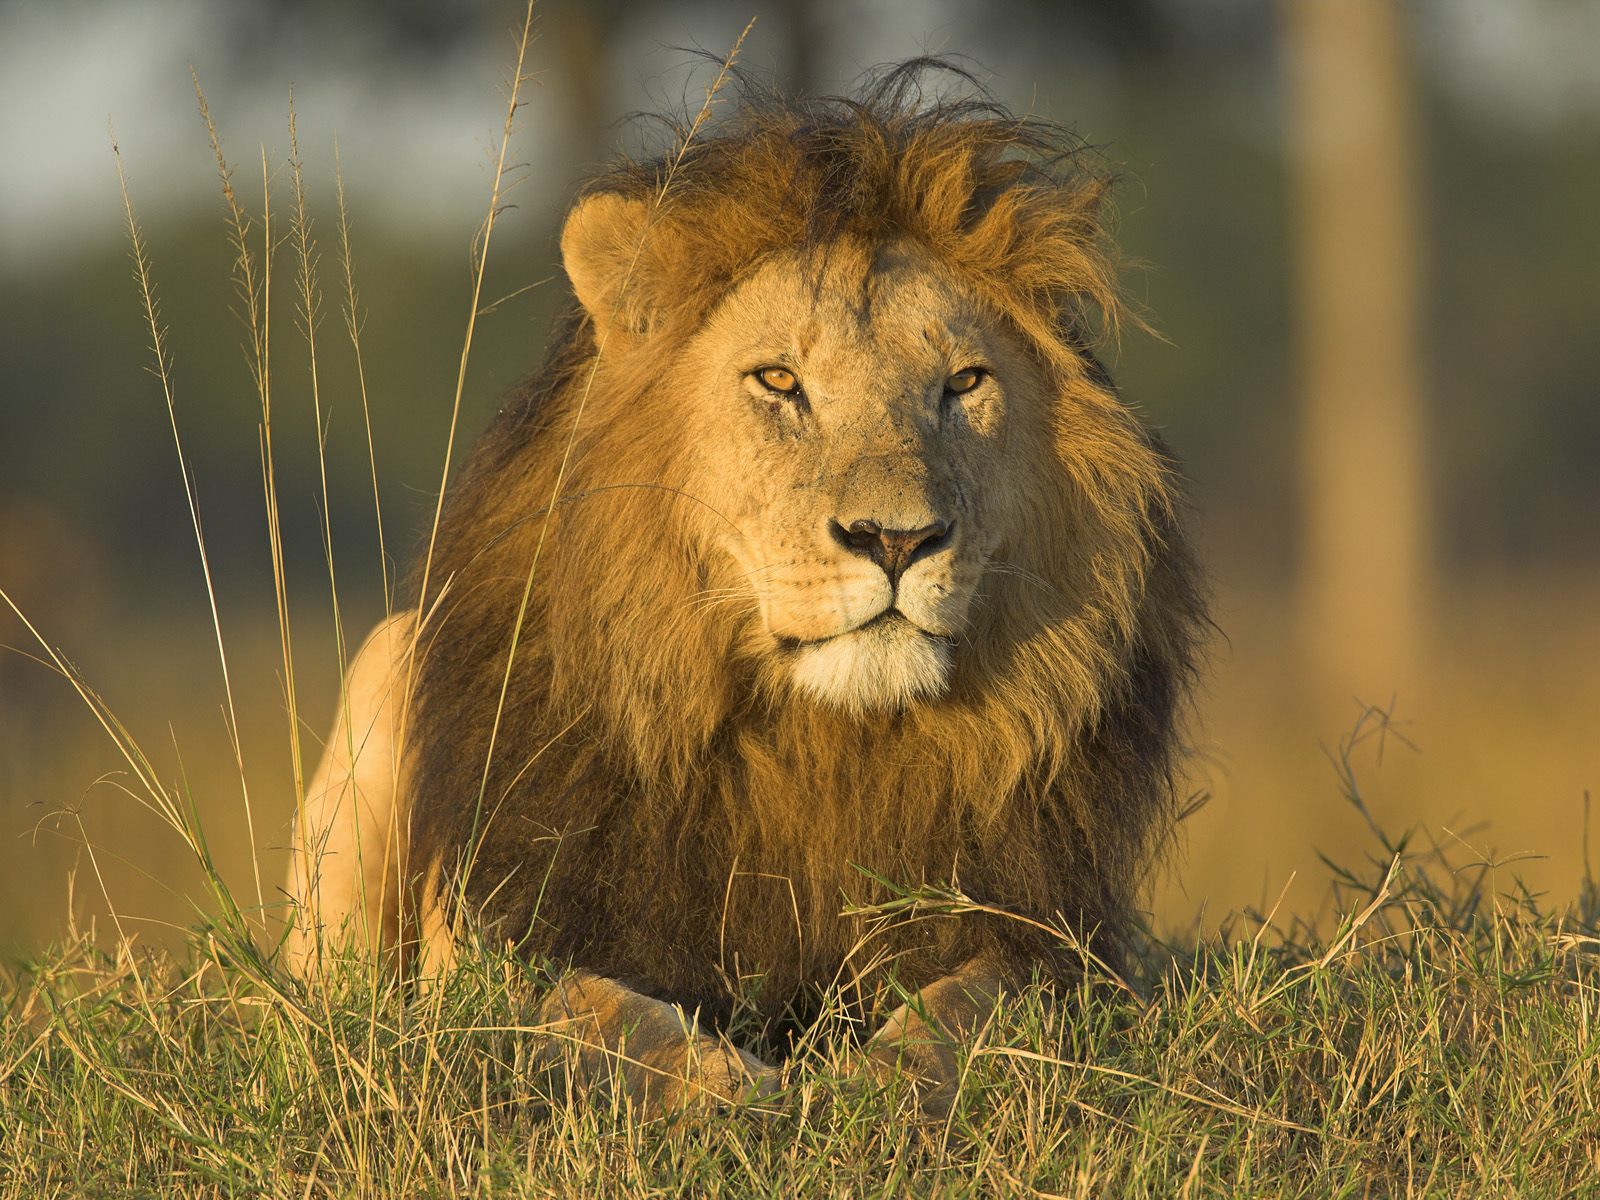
(862, 427)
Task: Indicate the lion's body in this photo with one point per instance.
(673, 726)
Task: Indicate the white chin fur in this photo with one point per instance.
(885, 665)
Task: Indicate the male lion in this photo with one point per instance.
(820, 557)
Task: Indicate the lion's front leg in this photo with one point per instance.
(604, 1034)
(920, 1039)
(347, 864)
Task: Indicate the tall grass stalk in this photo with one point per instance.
(712, 91)
(253, 284)
(353, 323)
(309, 299)
(162, 369)
(480, 262)
(310, 303)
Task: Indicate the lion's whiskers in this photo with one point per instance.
(706, 601)
(1001, 567)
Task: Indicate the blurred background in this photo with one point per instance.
(1366, 233)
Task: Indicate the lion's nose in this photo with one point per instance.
(892, 549)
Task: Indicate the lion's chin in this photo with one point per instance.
(886, 664)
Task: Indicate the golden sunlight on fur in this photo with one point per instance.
(820, 557)
(887, 663)
(346, 862)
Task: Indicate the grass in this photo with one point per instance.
(1444, 1040)
(1440, 1040)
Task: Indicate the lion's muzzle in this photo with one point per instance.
(892, 549)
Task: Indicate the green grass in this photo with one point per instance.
(1443, 1040)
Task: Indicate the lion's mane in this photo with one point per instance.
(653, 806)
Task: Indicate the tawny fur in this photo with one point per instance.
(668, 801)
(347, 860)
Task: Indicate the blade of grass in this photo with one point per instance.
(480, 260)
(253, 283)
(353, 323)
(668, 176)
(162, 368)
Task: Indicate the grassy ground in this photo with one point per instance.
(1444, 1040)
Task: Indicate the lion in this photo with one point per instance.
(820, 563)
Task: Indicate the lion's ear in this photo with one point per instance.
(603, 252)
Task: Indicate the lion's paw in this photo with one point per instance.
(599, 1036)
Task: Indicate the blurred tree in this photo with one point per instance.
(581, 37)
(577, 36)
(1365, 540)
(804, 41)
(1126, 28)
(401, 29)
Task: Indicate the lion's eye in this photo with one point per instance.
(778, 379)
(964, 380)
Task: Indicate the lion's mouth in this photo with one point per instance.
(889, 618)
(882, 664)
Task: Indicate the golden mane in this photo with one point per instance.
(655, 804)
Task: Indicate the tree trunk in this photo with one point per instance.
(1365, 540)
